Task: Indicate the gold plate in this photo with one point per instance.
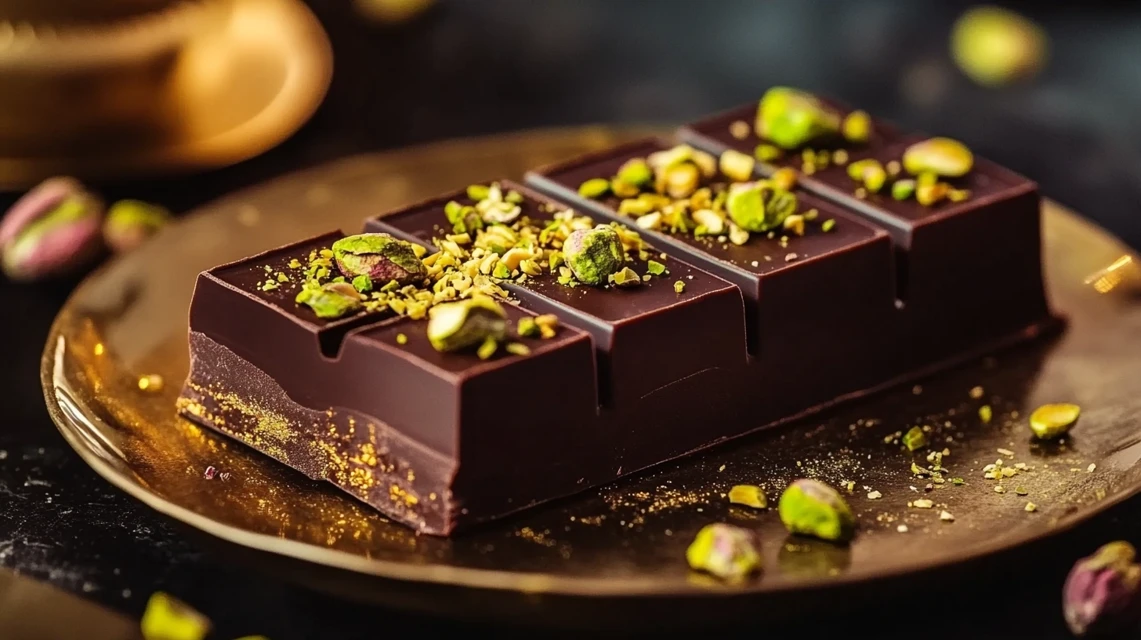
(234, 93)
(616, 552)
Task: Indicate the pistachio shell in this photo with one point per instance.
(940, 156)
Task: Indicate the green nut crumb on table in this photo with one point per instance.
(812, 508)
(725, 551)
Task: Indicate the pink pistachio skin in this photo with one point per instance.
(35, 203)
(1101, 594)
(57, 251)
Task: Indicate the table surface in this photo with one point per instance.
(549, 63)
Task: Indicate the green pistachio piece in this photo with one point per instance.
(784, 178)
(130, 222)
(858, 169)
(626, 277)
(902, 189)
(748, 495)
(453, 326)
(724, 551)
(487, 348)
(941, 156)
(812, 508)
(767, 153)
(874, 178)
(593, 255)
(167, 618)
(623, 189)
(914, 439)
(736, 166)
(636, 172)
(857, 127)
(995, 46)
(594, 188)
(379, 256)
(655, 268)
(791, 118)
(759, 206)
(362, 283)
(331, 300)
(478, 192)
(1050, 421)
(527, 327)
(682, 180)
(679, 287)
(930, 194)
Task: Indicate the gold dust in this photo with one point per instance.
(541, 538)
(398, 494)
(362, 479)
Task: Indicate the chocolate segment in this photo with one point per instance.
(824, 297)
(992, 237)
(636, 330)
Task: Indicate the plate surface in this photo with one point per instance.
(242, 91)
(623, 544)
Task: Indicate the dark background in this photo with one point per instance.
(482, 66)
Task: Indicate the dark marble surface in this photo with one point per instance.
(479, 66)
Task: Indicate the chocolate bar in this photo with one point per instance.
(497, 347)
(986, 224)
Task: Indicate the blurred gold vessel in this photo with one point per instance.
(124, 88)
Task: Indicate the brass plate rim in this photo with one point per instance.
(538, 582)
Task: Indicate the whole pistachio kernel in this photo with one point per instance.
(594, 188)
(473, 321)
(791, 118)
(130, 222)
(331, 300)
(748, 495)
(1050, 421)
(902, 189)
(914, 439)
(53, 229)
(1102, 593)
(995, 46)
(724, 551)
(759, 206)
(857, 127)
(379, 256)
(167, 618)
(635, 171)
(593, 255)
(736, 166)
(812, 508)
(942, 156)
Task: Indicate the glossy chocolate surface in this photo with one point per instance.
(633, 328)
(805, 302)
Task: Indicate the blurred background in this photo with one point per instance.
(1056, 99)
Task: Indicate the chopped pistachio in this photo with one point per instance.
(1030, 507)
(1053, 420)
(985, 413)
(679, 287)
(167, 618)
(958, 195)
(874, 178)
(858, 169)
(791, 118)
(810, 507)
(828, 225)
(362, 283)
(501, 271)
(923, 503)
(767, 153)
(527, 327)
(655, 268)
(942, 156)
(682, 180)
(857, 127)
(487, 348)
(946, 516)
(914, 439)
(626, 277)
(902, 189)
(594, 188)
(635, 171)
(930, 194)
(759, 206)
(401, 338)
(724, 551)
(736, 166)
(478, 192)
(458, 325)
(623, 189)
(748, 495)
(840, 157)
(740, 129)
(784, 178)
(331, 300)
(794, 224)
(517, 349)
(737, 235)
(547, 324)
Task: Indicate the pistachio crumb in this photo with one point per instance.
(748, 495)
(790, 257)
(1031, 507)
(923, 503)
(976, 393)
(1006, 452)
(518, 349)
(487, 349)
(985, 413)
(740, 129)
(874, 495)
(946, 516)
(653, 267)
(828, 225)
(1091, 468)
(679, 287)
(901, 528)
(401, 338)
(998, 488)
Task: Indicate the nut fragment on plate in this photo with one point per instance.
(812, 508)
(725, 551)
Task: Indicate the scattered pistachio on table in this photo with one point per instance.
(810, 507)
(724, 551)
(53, 229)
(130, 222)
(1102, 593)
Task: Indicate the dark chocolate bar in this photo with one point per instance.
(655, 301)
